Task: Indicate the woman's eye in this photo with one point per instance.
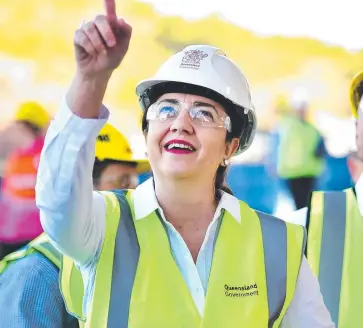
(204, 114)
(167, 111)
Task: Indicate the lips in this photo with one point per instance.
(179, 147)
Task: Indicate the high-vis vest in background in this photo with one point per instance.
(40, 244)
(19, 219)
(298, 142)
(252, 281)
(335, 254)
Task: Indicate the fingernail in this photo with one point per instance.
(111, 43)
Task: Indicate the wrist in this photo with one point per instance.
(90, 81)
(86, 94)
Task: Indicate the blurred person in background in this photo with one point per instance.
(21, 142)
(29, 284)
(300, 150)
(115, 167)
(334, 220)
(30, 121)
(146, 254)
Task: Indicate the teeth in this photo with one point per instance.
(177, 145)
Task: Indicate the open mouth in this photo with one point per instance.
(179, 147)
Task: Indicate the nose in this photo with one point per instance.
(182, 123)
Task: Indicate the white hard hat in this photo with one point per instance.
(207, 67)
(299, 99)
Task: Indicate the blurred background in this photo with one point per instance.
(291, 51)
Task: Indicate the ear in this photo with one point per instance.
(355, 168)
(232, 147)
(351, 165)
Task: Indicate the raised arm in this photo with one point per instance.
(71, 213)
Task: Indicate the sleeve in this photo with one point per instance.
(71, 213)
(30, 296)
(307, 308)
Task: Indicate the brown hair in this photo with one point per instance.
(220, 180)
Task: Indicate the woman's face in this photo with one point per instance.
(181, 147)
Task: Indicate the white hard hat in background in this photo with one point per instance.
(208, 67)
(299, 99)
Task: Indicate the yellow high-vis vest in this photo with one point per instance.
(335, 254)
(43, 246)
(40, 244)
(298, 142)
(255, 267)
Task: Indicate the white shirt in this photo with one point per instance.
(73, 215)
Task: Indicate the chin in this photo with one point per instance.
(178, 171)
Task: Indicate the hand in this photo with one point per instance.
(100, 45)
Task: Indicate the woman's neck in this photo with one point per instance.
(189, 206)
(184, 198)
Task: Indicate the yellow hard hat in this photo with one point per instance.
(33, 113)
(356, 92)
(282, 104)
(112, 145)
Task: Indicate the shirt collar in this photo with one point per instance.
(145, 202)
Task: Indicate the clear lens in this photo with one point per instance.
(203, 115)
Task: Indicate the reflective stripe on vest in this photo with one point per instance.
(40, 244)
(335, 254)
(258, 297)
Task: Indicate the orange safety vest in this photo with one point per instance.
(19, 219)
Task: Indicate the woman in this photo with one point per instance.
(146, 256)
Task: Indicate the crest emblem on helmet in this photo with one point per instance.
(192, 59)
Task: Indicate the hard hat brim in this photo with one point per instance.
(146, 84)
(149, 83)
(143, 166)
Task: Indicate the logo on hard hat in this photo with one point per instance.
(192, 59)
(103, 138)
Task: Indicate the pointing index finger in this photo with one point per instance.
(110, 7)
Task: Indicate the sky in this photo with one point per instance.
(335, 22)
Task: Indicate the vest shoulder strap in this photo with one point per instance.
(283, 245)
(40, 244)
(334, 253)
(71, 279)
(44, 246)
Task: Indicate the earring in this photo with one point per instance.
(225, 162)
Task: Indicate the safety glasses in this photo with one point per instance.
(201, 113)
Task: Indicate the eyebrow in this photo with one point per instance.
(171, 100)
(196, 103)
(201, 103)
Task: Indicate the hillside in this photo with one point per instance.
(36, 58)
